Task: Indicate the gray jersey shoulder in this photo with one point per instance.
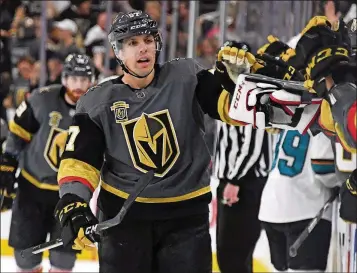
(44, 100)
(97, 95)
(40, 96)
(185, 65)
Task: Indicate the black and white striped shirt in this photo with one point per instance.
(241, 152)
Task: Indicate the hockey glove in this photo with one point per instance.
(277, 61)
(74, 216)
(348, 209)
(274, 47)
(279, 67)
(268, 102)
(234, 60)
(9, 197)
(8, 167)
(320, 50)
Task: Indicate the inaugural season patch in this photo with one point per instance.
(152, 142)
(120, 111)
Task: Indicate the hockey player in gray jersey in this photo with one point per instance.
(151, 118)
(35, 143)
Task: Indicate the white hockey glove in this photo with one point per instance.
(266, 102)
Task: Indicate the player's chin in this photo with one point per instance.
(145, 67)
(75, 95)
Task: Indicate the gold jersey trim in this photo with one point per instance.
(223, 109)
(37, 183)
(19, 131)
(184, 197)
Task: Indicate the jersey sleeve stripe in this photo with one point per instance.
(84, 173)
(323, 166)
(19, 131)
(223, 109)
(71, 179)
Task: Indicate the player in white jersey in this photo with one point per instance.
(298, 186)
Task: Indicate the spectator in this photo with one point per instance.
(7, 11)
(207, 52)
(80, 12)
(35, 45)
(35, 76)
(67, 29)
(60, 6)
(21, 84)
(55, 66)
(182, 30)
(153, 8)
(94, 42)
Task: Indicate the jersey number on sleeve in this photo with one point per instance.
(73, 132)
(290, 160)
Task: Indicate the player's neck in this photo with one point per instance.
(137, 83)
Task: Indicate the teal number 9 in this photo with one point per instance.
(294, 146)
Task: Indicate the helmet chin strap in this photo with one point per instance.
(127, 70)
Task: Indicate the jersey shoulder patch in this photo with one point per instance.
(42, 95)
(50, 88)
(178, 59)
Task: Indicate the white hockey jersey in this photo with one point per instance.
(299, 183)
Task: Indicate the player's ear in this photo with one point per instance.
(63, 81)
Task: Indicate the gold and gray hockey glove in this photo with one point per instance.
(233, 59)
(74, 216)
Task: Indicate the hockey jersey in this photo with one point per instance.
(346, 162)
(158, 128)
(38, 135)
(300, 180)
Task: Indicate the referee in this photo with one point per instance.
(241, 163)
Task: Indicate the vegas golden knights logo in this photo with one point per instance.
(56, 142)
(152, 142)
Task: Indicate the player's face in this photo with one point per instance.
(77, 86)
(138, 54)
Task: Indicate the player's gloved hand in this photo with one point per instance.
(267, 102)
(320, 50)
(232, 60)
(8, 166)
(279, 67)
(274, 47)
(74, 216)
(276, 59)
(348, 209)
(9, 197)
